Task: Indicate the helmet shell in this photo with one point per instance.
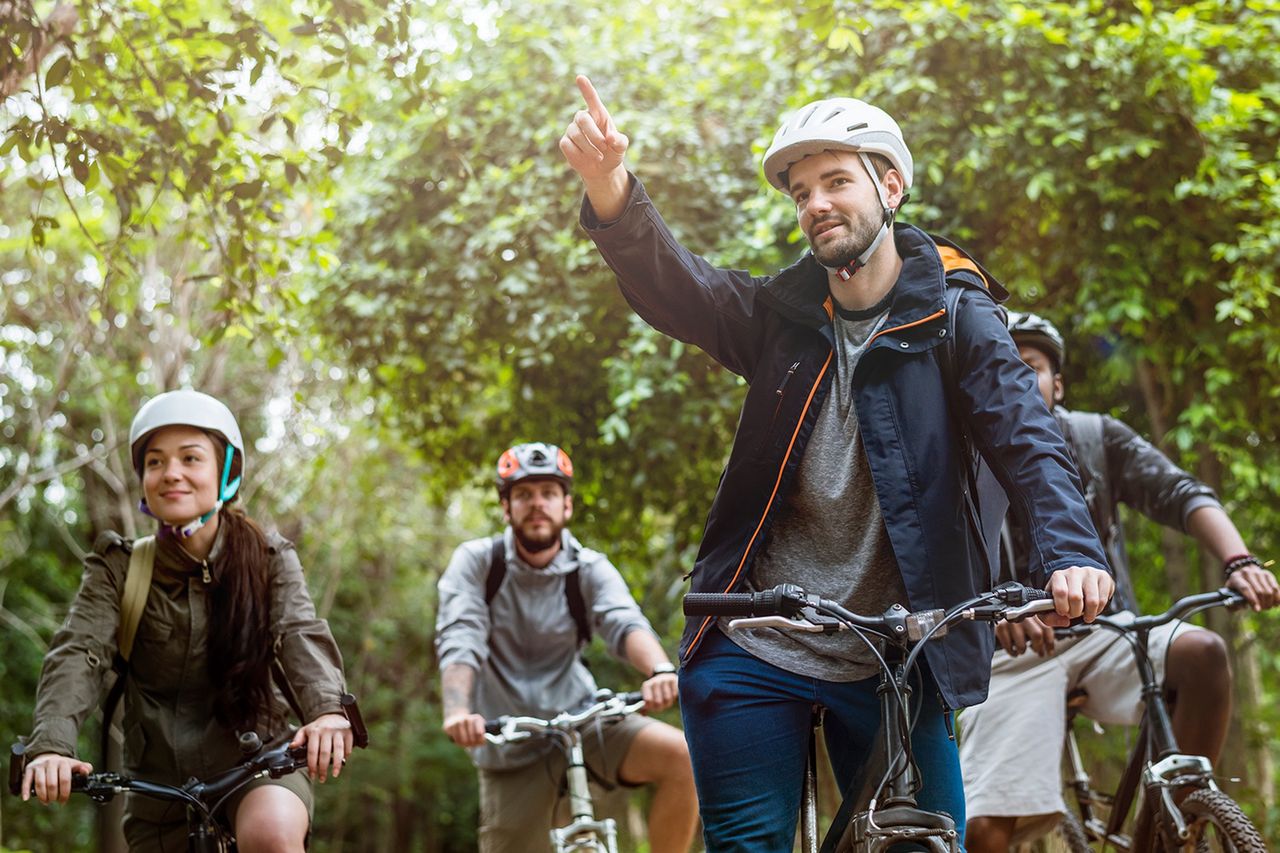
(840, 124)
(534, 460)
(1036, 330)
(183, 408)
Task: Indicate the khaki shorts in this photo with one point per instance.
(170, 835)
(1011, 745)
(518, 807)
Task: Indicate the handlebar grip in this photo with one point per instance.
(724, 604)
(632, 697)
(359, 733)
(493, 727)
(1033, 594)
(17, 766)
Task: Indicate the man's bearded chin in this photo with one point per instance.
(536, 544)
(846, 250)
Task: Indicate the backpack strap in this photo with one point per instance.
(985, 502)
(577, 606)
(137, 585)
(572, 587)
(1085, 439)
(497, 568)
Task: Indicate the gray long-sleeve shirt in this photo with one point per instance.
(524, 644)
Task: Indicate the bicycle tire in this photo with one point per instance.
(1072, 833)
(1221, 825)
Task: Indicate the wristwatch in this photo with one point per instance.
(662, 669)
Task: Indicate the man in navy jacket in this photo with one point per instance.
(847, 474)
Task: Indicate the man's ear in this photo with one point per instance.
(506, 509)
(568, 507)
(894, 188)
(1059, 389)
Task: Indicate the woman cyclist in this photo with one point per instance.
(226, 601)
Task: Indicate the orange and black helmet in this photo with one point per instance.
(535, 460)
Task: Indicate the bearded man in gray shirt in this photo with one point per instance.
(515, 611)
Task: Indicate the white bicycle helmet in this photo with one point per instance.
(1036, 330)
(842, 124)
(839, 124)
(194, 409)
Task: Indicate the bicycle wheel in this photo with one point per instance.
(1072, 833)
(1218, 824)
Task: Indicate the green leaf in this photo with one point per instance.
(58, 71)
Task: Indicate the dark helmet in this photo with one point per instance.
(535, 460)
(1036, 330)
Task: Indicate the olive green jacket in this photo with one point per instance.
(169, 726)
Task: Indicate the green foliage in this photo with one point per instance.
(352, 221)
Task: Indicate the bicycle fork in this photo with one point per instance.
(584, 831)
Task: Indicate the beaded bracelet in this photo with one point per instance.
(1239, 562)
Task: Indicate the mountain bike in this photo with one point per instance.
(584, 831)
(206, 799)
(886, 813)
(1207, 818)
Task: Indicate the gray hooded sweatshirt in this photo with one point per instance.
(524, 645)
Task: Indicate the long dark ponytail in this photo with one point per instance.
(240, 648)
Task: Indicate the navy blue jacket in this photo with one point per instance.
(777, 333)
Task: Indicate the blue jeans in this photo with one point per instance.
(747, 723)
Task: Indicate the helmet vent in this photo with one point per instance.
(851, 128)
(805, 118)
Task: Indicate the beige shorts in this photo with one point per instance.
(169, 835)
(1011, 745)
(518, 807)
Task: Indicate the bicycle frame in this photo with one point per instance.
(1155, 765)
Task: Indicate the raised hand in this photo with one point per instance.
(594, 149)
(591, 143)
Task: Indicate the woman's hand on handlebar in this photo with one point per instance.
(660, 691)
(465, 729)
(1078, 591)
(329, 741)
(50, 773)
(1257, 585)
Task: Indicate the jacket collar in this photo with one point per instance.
(800, 292)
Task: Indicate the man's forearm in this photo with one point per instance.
(608, 196)
(457, 684)
(643, 651)
(1216, 534)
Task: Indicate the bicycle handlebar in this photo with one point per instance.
(788, 606)
(1182, 608)
(607, 704)
(276, 760)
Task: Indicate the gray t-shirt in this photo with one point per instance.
(829, 536)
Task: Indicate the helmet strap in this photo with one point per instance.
(888, 213)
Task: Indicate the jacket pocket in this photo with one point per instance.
(153, 630)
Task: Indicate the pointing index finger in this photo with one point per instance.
(594, 105)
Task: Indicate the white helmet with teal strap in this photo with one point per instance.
(193, 409)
